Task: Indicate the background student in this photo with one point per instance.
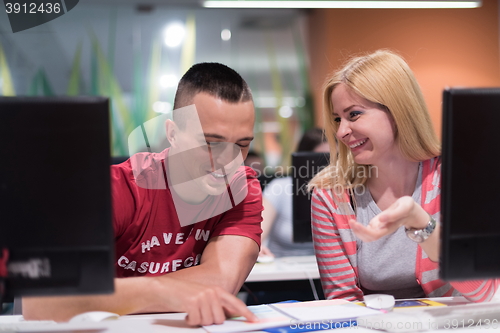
(277, 228)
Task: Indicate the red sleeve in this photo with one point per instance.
(245, 217)
(123, 196)
(338, 276)
(4, 257)
(473, 290)
(477, 290)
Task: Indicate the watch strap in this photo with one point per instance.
(420, 235)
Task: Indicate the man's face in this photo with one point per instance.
(227, 129)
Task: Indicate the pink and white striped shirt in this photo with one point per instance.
(335, 246)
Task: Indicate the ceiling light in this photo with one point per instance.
(169, 80)
(285, 111)
(342, 4)
(162, 107)
(225, 34)
(174, 34)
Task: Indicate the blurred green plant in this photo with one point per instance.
(40, 85)
(129, 111)
(6, 79)
(305, 112)
(75, 78)
(285, 135)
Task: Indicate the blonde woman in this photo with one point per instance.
(374, 209)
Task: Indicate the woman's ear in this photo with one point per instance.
(171, 130)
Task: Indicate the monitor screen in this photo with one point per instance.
(55, 199)
(470, 194)
(305, 165)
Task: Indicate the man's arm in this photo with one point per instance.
(226, 262)
(131, 295)
(203, 291)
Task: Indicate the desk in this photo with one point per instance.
(285, 269)
(284, 272)
(284, 279)
(174, 323)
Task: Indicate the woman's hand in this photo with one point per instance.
(404, 212)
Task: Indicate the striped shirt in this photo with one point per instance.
(335, 246)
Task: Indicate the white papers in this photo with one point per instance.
(336, 309)
(268, 317)
(287, 314)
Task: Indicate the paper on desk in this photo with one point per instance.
(334, 309)
(282, 314)
(268, 317)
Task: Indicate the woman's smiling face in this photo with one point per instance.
(366, 128)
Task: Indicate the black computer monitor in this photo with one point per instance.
(55, 205)
(470, 193)
(305, 165)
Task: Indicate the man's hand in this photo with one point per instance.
(205, 305)
(404, 212)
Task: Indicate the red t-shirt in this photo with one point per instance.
(149, 239)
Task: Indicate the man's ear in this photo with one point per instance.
(171, 130)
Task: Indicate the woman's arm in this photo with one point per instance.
(338, 276)
(404, 212)
(478, 290)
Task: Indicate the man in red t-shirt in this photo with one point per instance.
(186, 220)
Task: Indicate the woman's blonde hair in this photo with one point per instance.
(382, 77)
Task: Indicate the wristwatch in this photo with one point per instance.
(420, 235)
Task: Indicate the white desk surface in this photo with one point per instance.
(281, 269)
(174, 322)
(285, 268)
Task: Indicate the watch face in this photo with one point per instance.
(420, 235)
(417, 236)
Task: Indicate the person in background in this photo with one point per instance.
(255, 161)
(277, 232)
(375, 207)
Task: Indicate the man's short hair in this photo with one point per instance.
(214, 79)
